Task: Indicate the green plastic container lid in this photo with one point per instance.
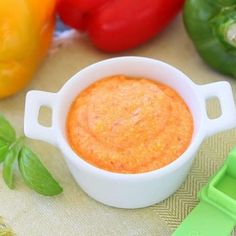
(215, 215)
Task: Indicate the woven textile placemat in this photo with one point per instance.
(74, 213)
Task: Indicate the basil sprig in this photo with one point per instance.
(35, 175)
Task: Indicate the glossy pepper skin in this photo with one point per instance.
(118, 25)
(26, 28)
(211, 24)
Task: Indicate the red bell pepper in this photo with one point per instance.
(118, 25)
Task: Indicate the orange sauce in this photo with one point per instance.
(129, 125)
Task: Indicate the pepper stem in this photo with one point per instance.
(224, 25)
(230, 35)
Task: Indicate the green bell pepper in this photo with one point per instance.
(211, 24)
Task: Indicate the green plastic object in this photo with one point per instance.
(215, 215)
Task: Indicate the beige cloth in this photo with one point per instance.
(73, 212)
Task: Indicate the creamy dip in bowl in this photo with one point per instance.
(129, 125)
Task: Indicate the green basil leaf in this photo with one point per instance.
(7, 132)
(9, 160)
(4, 146)
(35, 175)
(5, 229)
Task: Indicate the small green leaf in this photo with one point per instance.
(5, 229)
(35, 175)
(4, 146)
(9, 160)
(7, 132)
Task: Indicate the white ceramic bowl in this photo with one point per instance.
(130, 190)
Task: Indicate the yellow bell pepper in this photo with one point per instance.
(26, 28)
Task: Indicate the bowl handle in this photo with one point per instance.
(32, 129)
(227, 119)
